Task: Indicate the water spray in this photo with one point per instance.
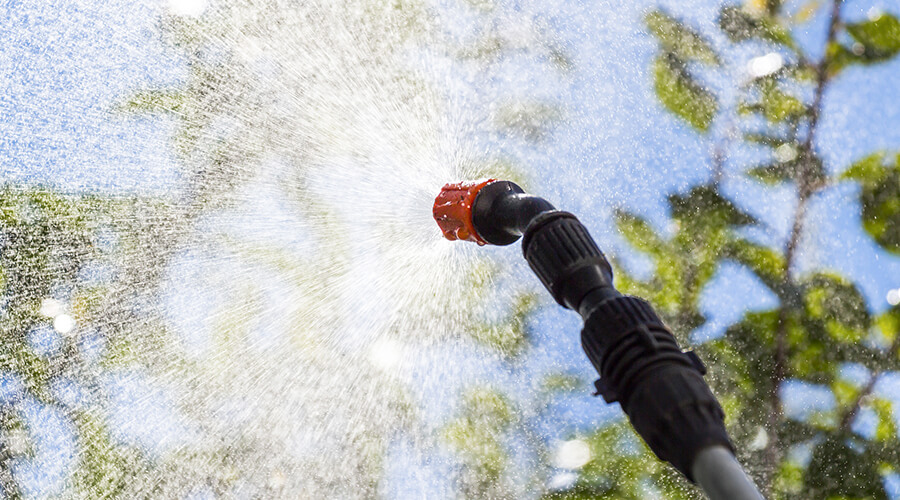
(641, 366)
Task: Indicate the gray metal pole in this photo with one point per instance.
(721, 476)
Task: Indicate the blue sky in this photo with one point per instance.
(65, 64)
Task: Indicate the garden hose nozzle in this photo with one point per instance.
(486, 212)
(641, 366)
(453, 210)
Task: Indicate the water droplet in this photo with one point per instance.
(51, 308)
(765, 65)
(64, 324)
(572, 454)
(188, 8)
(893, 296)
(785, 153)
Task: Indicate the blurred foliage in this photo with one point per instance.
(621, 468)
(742, 24)
(879, 37)
(681, 94)
(879, 197)
(219, 159)
(679, 40)
(479, 435)
(702, 220)
(675, 85)
(63, 260)
(822, 326)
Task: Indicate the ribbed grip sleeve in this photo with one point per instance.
(565, 258)
(660, 388)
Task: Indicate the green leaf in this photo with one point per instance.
(625, 283)
(561, 382)
(678, 39)
(839, 57)
(477, 436)
(487, 406)
(889, 323)
(879, 38)
(751, 339)
(806, 11)
(638, 232)
(705, 204)
(766, 263)
(681, 95)
(510, 336)
(868, 171)
(764, 140)
(880, 200)
(839, 305)
(105, 468)
(802, 72)
(154, 101)
(808, 167)
(845, 393)
(774, 173)
(740, 25)
(778, 106)
(790, 477)
(886, 429)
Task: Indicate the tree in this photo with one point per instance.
(822, 324)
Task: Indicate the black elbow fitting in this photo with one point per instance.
(556, 245)
(502, 212)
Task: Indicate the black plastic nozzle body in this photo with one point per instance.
(641, 366)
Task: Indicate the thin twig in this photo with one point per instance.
(805, 189)
(815, 109)
(719, 153)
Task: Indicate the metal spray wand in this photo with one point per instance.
(641, 366)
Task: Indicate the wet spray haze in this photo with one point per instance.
(244, 294)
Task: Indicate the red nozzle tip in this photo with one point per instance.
(453, 210)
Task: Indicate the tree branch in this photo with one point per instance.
(815, 109)
(805, 189)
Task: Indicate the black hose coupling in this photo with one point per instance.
(641, 366)
(659, 387)
(565, 258)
